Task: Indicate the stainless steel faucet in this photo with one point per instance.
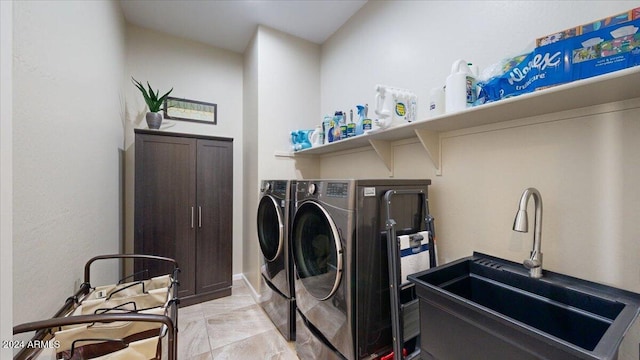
(521, 224)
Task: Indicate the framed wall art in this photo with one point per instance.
(190, 110)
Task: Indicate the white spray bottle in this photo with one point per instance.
(384, 105)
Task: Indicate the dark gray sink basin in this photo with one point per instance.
(482, 307)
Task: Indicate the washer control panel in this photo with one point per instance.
(337, 189)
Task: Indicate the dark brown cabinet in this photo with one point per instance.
(183, 209)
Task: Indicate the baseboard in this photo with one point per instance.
(254, 293)
(198, 298)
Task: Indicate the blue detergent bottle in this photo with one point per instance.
(361, 116)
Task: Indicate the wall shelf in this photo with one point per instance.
(611, 87)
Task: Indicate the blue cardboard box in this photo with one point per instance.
(632, 14)
(595, 53)
(603, 51)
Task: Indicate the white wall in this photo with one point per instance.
(68, 61)
(584, 162)
(412, 44)
(478, 167)
(282, 75)
(195, 71)
(288, 96)
(6, 173)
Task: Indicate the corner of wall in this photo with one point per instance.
(282, 93)
(6, 173)
(250, 261)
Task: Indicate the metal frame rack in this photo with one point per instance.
(403, 308)
(64, 317)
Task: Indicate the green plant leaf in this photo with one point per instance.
(154, 97)
(164, 97)
(150, 97)
(140, 87)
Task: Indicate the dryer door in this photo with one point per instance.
(270, 227)
(317, 251)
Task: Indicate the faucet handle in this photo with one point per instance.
(534, 261)
(531, 264)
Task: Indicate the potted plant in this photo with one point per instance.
(154, 117)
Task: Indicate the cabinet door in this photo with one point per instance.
(164, 197)
(215, 207)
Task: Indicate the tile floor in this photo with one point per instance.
(233, 327)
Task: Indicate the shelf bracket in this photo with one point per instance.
(385, 153)
(431, 142)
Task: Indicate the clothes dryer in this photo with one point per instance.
(339, 249)
(277, 296)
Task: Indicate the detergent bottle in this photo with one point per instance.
(343, 125)
(472, 85)
(399, 106)
(317, 136)
(337, 121)
(460, 92)
(437, 101)
(351, 126)
(394, 106)
(326, 129)
(360, 123)
(403, 108)
(413, 108)
(367, 123)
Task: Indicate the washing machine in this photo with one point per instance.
(277, 296)
(339, 247)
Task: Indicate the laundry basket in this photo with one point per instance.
(127, 320)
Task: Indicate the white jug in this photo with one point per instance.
(460, 90)
(317, 136)
(436, 101)
(394, 106)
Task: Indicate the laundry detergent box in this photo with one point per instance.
(595, 53)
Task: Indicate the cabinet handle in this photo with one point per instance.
(192, 217)
(199, 216)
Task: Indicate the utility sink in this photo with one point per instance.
(483, 307)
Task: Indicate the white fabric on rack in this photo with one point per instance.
(154, 298)
(137, 350)
(130, 288)
(114, 330)
(415, 259)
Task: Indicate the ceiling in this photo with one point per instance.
(230, 24)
